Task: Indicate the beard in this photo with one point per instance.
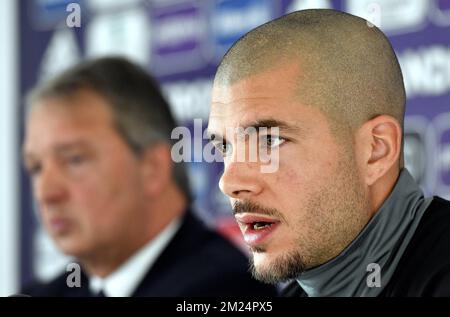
(282, 269)
(334, 215)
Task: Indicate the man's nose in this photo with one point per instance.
(49, 186)
(240, 180)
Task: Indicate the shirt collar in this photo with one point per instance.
(124, 281)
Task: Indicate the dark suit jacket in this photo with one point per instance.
(197, 262)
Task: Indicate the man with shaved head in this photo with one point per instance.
(340, 215)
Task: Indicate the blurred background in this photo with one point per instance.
(181, 42)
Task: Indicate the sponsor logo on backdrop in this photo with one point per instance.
(427, 152)
(189, 99)
(230, 19)
(414, 147)
(395, 16)
(61, 53)
(125, 33)
(309, 4)
(426, 70)
(440, 157)
(440, 12)
(49, 14)
(111, 5)
(180, 34)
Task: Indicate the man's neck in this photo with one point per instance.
(105, 261)
(381, 243)
(164, 208)
(382, 188)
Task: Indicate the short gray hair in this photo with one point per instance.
(142, 115)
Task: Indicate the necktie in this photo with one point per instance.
(100, 294)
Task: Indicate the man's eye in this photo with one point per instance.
(75, 159)
(34, 169)
(271, 141)
(223, 147)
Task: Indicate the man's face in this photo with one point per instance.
(309, 209)
(85, 178)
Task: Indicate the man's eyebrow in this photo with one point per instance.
(272, 123)
(65, 147)
(257, 124)
(60, 148)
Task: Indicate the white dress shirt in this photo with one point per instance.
(124, 281)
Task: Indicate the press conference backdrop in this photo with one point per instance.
(181, 43)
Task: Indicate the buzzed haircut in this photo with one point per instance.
(140, 112)
(347, 67)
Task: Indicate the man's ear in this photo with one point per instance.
(156, 168)
(379, 142)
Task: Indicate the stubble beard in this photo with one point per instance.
(335, 216)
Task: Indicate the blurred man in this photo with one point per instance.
(97, 149)
(340, 216)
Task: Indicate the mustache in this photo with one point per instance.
(250, 207)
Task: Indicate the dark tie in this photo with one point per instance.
(100, 294)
